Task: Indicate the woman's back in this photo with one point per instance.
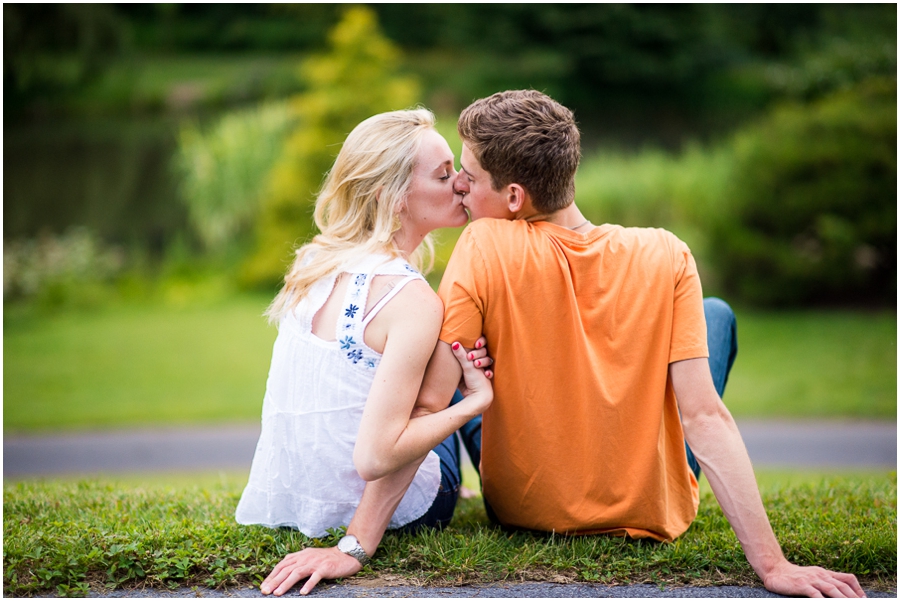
(323, 366)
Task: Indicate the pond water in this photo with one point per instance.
(113, 176)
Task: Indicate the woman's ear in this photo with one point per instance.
(378, 193)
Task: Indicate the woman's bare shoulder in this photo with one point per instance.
(414, 314)
(417, 296)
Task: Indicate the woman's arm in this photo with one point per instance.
(379, 502)
(388, 438)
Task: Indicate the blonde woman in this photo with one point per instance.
(357, 326)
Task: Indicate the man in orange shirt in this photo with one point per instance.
(596, 331)
(600, 340)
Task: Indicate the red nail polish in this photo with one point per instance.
(455, 346)
(478, 364)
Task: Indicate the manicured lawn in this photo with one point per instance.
(139, 365)
(815, 364)
(64, 536)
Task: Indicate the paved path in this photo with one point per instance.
(771, 444)
(519, 590)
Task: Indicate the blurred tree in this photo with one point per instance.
(224, 27)
(224, 170)
(810, 213)
(359, 76)
(54, 48)
(692, 68)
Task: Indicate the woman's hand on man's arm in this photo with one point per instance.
(426, 404)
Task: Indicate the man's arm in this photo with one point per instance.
(718, 447)
(440, 381)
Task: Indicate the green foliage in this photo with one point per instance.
(851, 44)
(356, 79)
(222, 27)
(224, 169)
(810, 215)
(57, 47)
(653, 188)
(796, 209)
(59, 270)
(69, 537)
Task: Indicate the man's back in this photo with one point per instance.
(584, 433)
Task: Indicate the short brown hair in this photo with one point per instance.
(525, 137)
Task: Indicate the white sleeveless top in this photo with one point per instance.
(302, 474)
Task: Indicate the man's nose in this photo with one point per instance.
(459, 184)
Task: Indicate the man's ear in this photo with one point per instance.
(515, 198)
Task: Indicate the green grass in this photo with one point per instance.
(139, 365)
(136, 366)
(65, 536)
(815, 365)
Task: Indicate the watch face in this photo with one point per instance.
(347, 543)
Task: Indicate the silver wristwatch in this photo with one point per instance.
(350, 545)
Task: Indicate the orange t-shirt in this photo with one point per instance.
(584, 434)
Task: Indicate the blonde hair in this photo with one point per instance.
(357, 209)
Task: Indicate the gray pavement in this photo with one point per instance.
(771, 444)
(518, 590)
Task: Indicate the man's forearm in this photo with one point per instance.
(719, 449)
(378, 504)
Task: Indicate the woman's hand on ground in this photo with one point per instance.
(793, 580)
(475, 385)
(316, 564)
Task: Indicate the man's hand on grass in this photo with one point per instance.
(793, 580)
(317, 564)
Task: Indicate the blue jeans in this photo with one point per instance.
(441, 511)
(721, 338)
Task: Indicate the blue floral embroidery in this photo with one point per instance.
(355, 356)
(347, 326)
(347, 342)
(370, 363)
(410, 269)
(351, 311)
(360, 279)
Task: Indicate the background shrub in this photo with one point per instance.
(357, 78)
(56, 270)
(224, 169)
(810, 214)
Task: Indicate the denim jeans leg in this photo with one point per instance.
(721, 338)
(471, 437)
(441, 511)
(470, 434)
